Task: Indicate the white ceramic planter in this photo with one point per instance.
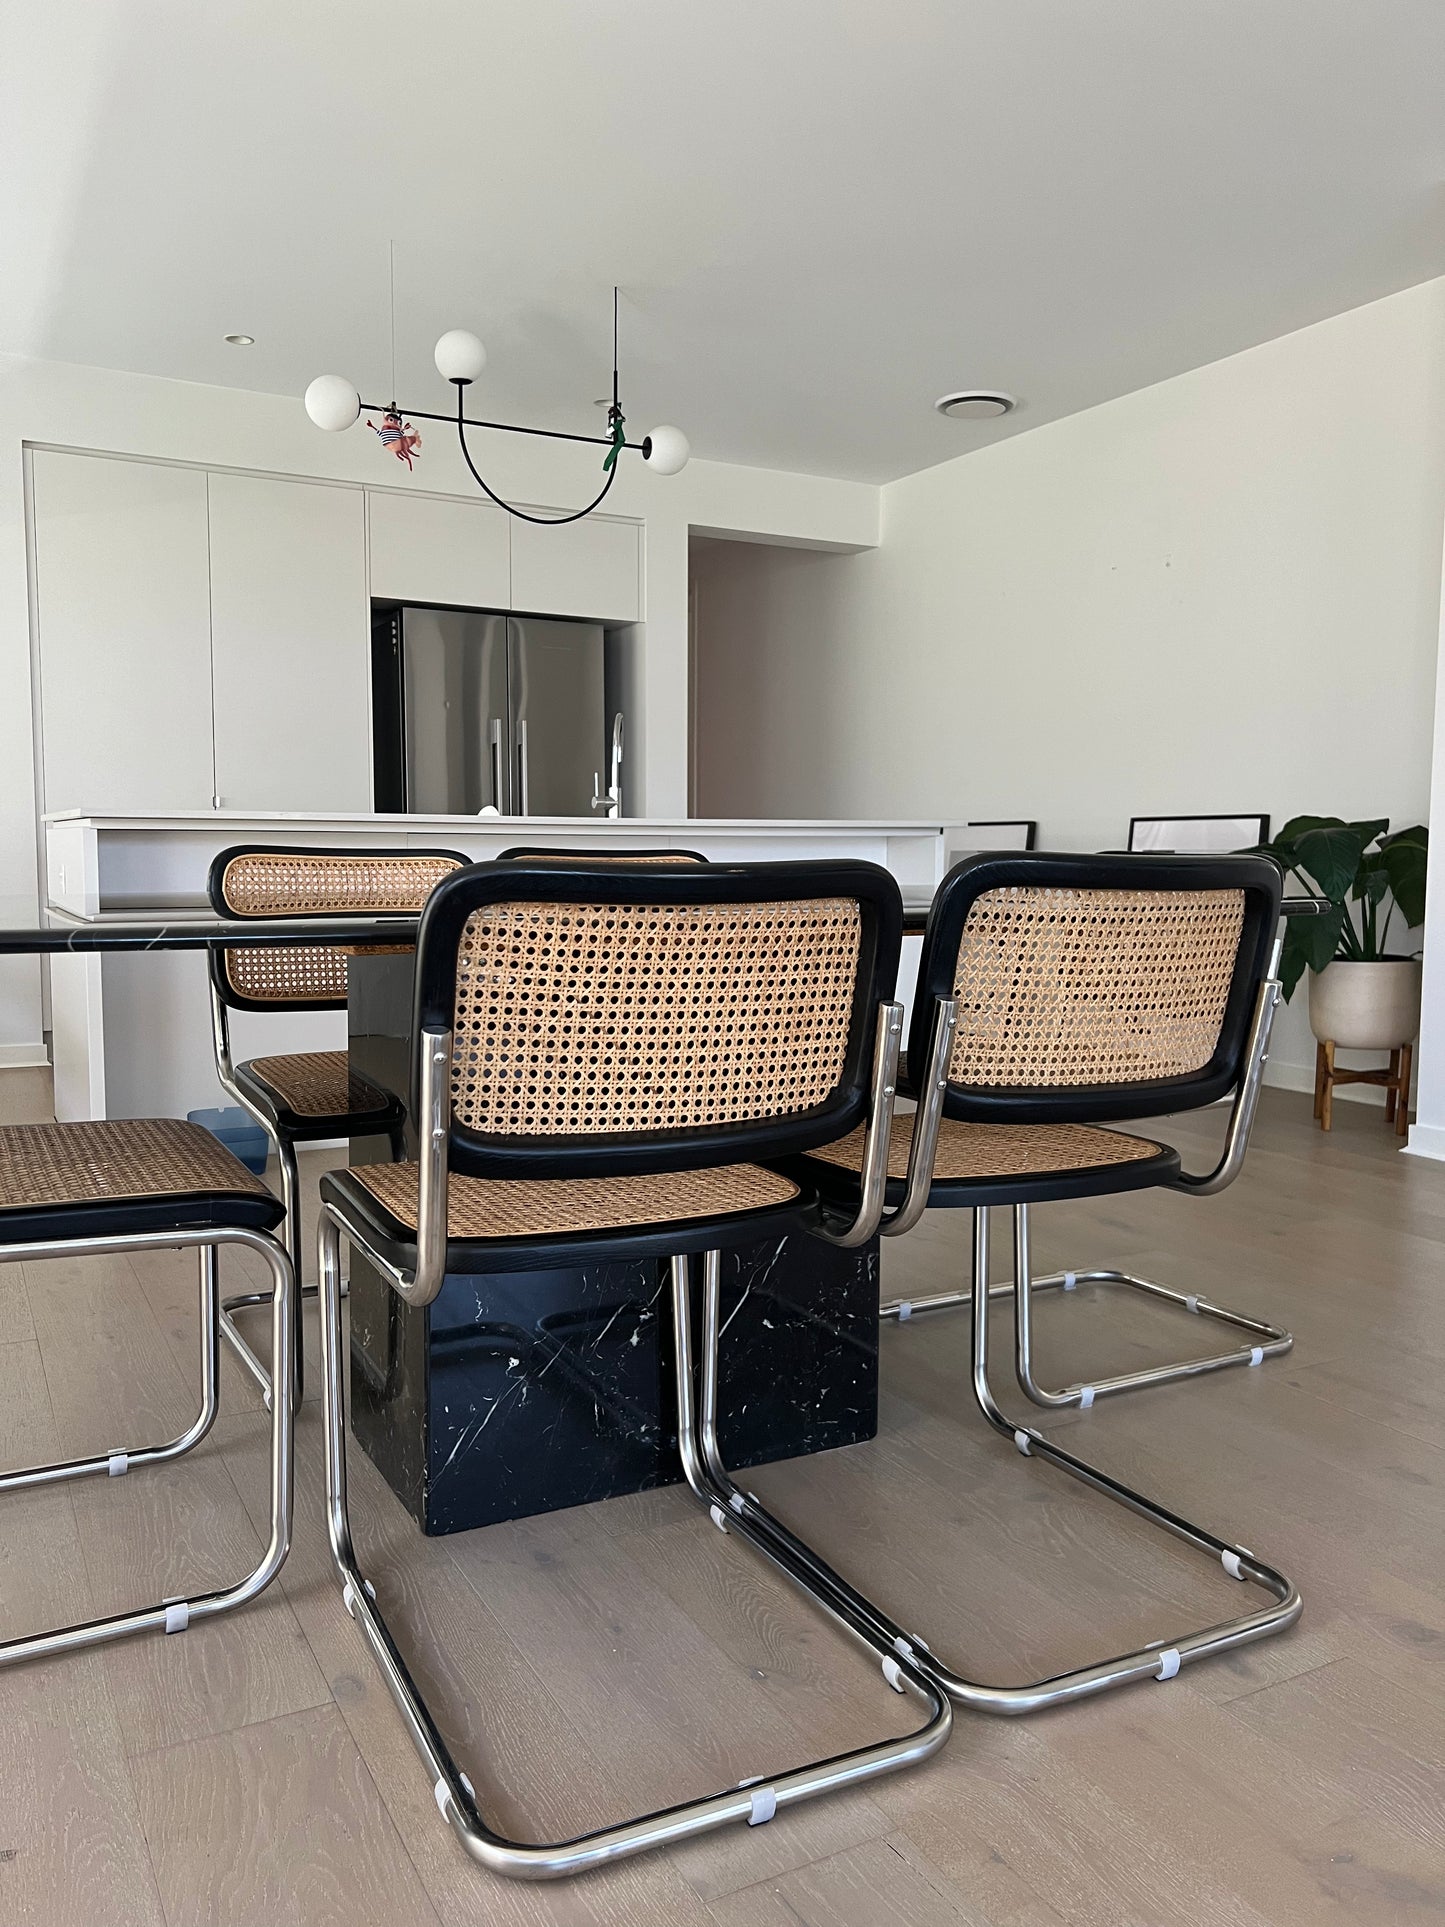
(1367, 1006)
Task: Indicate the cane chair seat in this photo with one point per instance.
(683, 1209)
(316, 1094)
(115, 1176)
(1030, 1162)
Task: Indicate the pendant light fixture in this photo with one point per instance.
(334, 403)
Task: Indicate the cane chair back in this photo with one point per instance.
(665, 858)
(624, 1017)
(1095, 987)
(270, 882)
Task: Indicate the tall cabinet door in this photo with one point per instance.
(291, 645)
(123, 619)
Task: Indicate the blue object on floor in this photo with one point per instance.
(238, 1131)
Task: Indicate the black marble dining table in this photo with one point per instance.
(522, 1392)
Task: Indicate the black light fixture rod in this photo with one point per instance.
(509, 428)
(616, 402)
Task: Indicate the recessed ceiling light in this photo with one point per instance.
(976, 404)
(241, 341)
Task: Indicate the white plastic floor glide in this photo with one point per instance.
(178, 1616)
(1256, 1355)
(118, 1465)
(718, 1517)
(1168, 1663)
(1086, 1397)
(1021, 1440)
(764, 1805)
(1230, 1562)
(1071, 1282)
(893, 1673)
(905, 1310)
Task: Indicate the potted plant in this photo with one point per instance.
(1363, 996)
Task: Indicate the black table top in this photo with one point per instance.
(57, 931)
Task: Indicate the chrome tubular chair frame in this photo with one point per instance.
(871, 1066)
(1159, 1659)
(286, 1164)
(1236, 1063)
(752, 1802)
(1265, 1340)
(174, 1615)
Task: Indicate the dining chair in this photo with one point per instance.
(1056, 996)
(305, 1097)
(605, 1056)
(1262, 1338)
(113, 1188)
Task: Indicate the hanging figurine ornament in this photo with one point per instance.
(334, 404)
(615, 420)
(400, 437)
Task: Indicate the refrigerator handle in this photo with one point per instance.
(498, 799)
(523, 808)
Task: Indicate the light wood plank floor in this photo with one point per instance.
(594, 1662)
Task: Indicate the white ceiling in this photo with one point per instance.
(823, 213)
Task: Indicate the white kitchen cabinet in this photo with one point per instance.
(123, 608)
(589, 568)
(290, 644)
(426, 548)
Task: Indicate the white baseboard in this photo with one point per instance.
(24, 1057)
(1426, 1141)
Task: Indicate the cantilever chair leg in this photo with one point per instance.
(1160, 1659)
(248, 1300)
(172, 1615)
(1265, 1340)
(751, 1803)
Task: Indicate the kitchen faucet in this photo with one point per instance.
(611, 802)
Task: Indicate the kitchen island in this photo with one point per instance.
(132, 1032)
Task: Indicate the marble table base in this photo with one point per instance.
(523, 1392)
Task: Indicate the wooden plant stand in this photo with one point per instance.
(1396, 1082)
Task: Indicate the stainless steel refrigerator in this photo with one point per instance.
(475, 711)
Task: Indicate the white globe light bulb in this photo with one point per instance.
(332, 402)
(460, 356)
(666, 450)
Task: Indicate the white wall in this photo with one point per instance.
(1427, 1133)
(1220, 593)
(57, 404)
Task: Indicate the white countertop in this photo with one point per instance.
(316, 820)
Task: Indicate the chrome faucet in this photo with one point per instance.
(611, 802)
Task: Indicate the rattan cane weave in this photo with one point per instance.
(304, 884)
(262, 883)
(985, 1151)
(59, 1164)
(285, 975)
(1059, 986)
(543, 1207)
(575, 1019)
(318, 1084)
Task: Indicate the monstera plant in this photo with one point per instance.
(1371, 880)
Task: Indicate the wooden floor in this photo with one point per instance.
(253, 1771)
